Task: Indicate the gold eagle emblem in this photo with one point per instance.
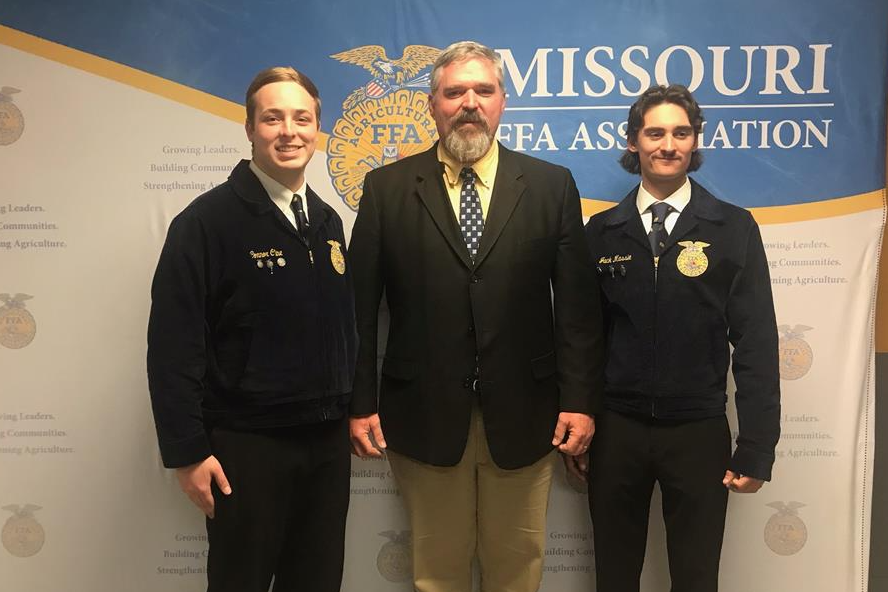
(388, 75)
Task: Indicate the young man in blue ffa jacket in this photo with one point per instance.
(683, 277)
(251, 350)
(492, 360)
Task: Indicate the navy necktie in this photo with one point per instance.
(299, 212)
(471, 220)
(658, 235)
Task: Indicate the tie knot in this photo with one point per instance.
(659, 211)
(467, 175)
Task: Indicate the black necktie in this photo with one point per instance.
(471, 221)
(658, 235)
(299, 212)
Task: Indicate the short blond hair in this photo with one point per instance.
(281, 74)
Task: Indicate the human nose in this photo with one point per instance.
(288, 127)
(470, 100)
(668, 143)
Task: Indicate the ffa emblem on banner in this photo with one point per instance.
(785, 533)
(395, 558)
(336, 257)
(796, 356)
(22, 535)
(382, 121)
(692, 261)
(12, 122)
(17, 326)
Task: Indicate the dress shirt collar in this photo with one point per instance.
(485, 167)
(678, 200)
(279, 194)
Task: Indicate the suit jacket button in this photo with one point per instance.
(474, 279)
(471, 328)
(467, 383)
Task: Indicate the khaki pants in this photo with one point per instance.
(476, 508)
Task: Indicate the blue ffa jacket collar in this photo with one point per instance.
(702, 205)
(248, 187)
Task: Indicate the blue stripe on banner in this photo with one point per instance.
(794, 113)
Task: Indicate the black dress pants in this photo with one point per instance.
(285, 516)
(688, 459)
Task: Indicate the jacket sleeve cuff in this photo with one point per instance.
(363, 406)
(185, 452)
(579, 401)
(752, 463)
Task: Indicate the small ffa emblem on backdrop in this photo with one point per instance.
(692, 261)
(12, 122)
(796, 356)
(395, 559)
(383, 120)
(17, 326)
(22, 535)
(785, 533)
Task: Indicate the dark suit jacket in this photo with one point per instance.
(527, 310)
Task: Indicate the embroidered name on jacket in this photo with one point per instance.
(269, 259)
(614, 259)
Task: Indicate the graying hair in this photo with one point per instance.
(462, 51)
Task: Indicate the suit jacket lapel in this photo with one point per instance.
(431, 191)
(507, 191)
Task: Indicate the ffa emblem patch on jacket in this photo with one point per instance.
(336, 257)
(692, 261)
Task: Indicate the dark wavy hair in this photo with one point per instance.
(657, 95)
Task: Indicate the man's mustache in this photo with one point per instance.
(470, 117)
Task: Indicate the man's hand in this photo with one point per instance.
(195, 480)
(578, 465)
(741, 483)
(578, 427)
(363, 432)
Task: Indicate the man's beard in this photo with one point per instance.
(468, 145)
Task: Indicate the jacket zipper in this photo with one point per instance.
(654, 365)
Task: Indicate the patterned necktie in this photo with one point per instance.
(658, 235)
(299, 212)
(471, 222)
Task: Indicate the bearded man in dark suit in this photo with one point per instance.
(493, 355)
